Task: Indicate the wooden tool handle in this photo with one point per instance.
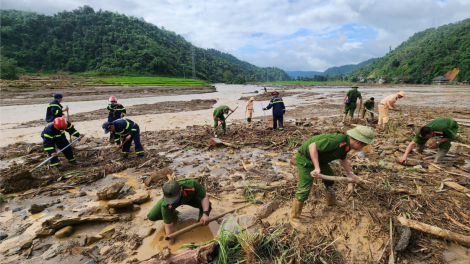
(344, 179)
(191, 227)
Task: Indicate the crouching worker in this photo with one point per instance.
(177, 193)
(315, 154)
(439, 127)
(128, 130)
(54, 135)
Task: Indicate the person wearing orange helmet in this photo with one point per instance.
(277, 104)
(53, 135)
(116, 111)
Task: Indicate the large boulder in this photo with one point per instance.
(110, 191)
(266, 209)
(155, 178)
(140, 197)
(119, 203)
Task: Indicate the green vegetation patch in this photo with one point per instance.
(154, 81)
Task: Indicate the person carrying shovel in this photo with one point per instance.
(116, 111)
(53, 135)
(128, 130)
(439, 127)
(55, 109)
(312, 160)
(218, 116)
(349, 102)
(176, 193)
(368, 105)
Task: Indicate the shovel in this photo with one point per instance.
(120, 146)
(27, 173)
(344, 179)
(371, 112)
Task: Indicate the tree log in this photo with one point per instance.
(203, 254)
(57, 224)
(449, 235)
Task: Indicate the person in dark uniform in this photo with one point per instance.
(53, 135)
(128, 130)
(116, 111)
(55, 109)
(279, 109)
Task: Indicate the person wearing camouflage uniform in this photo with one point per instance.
(439, 127)
(313, 157)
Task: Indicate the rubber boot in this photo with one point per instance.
(330, 196)
(440, 155)
(249, 120)
(420, 148)
(295, 213)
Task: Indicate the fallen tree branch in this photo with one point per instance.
(449, 235)
(51, 224)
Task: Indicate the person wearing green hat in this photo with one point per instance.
(439, 127)
(218, 116)
(176, 193)
(349, 102)
(368, 105)
(314, 156)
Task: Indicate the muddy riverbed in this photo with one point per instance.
(258, 167)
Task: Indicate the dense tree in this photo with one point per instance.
(425, 55)
(9, 69)
(107, 43)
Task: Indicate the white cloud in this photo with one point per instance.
(297, 35)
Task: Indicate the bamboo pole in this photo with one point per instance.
(465, 240)
(191, 227)
(344, 179)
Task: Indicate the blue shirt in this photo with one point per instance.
(278, 106)
(54, 110)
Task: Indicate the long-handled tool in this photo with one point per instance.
(51, 157)
(371, 112)
(120, 146)
(345, 179)
(68, 120)
(264, 112)
(215, 129)
(191, 227)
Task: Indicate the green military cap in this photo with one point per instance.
(355, 86)
(171, 192)
(363, 134)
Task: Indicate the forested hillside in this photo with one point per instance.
(339, 69)
(425, 55)
(295, 74)
(107, 43)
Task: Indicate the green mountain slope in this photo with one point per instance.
(295, 74)
(107, 43)
(425, 55)
(345, 69)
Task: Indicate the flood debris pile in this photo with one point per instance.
(426, 205)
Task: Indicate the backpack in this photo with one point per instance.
(348, 101)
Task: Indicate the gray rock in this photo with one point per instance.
(340, 124)
(16, 210)
(361, 155)
(35, 208)
(107, 231)
(283, 159)
(3, 236)
(140, 197)
(26, 243)
(50, 254)
(266, 209)
(110, 191)
(235, 224)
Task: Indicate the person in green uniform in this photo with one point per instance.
(350, 107)
(314, 156)
(368, 105)
(439, 127)
(219, 117)
(176, 193)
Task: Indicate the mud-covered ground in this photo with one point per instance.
(256, 166)
(135, 110)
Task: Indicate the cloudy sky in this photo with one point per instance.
(290, 34)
